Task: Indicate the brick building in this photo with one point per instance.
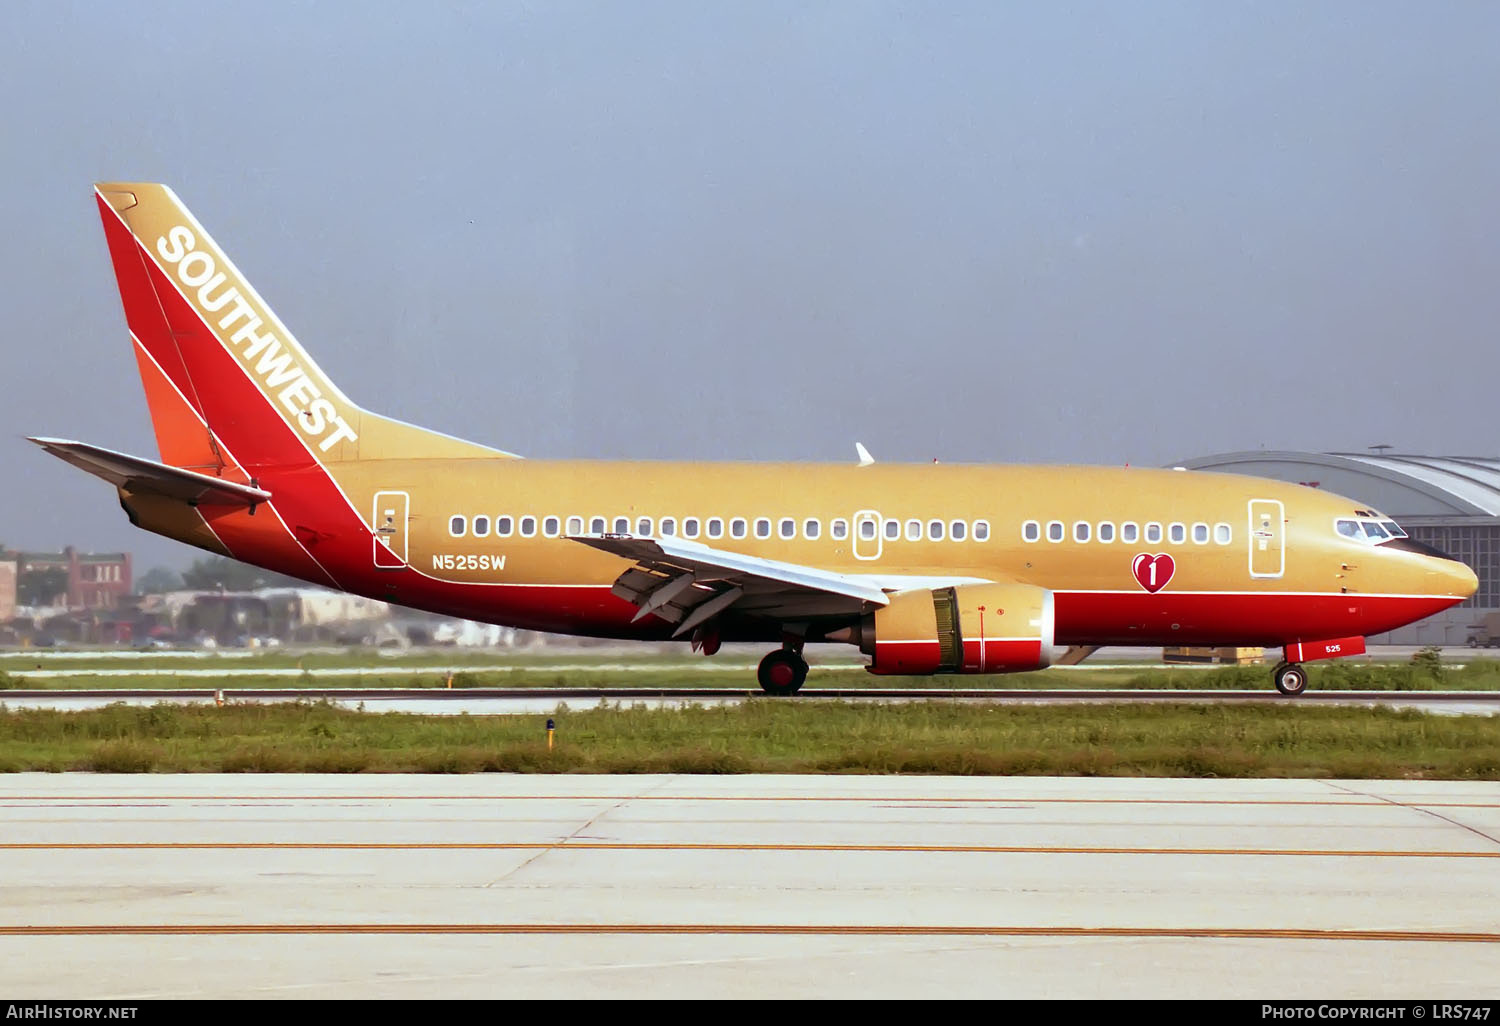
(94, 580)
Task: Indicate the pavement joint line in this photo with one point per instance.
(566, 842)
(1425, 811)
(793, 929)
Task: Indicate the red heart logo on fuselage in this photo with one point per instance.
(1152, 572)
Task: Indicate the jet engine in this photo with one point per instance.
(970, 628)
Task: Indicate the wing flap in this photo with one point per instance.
(687, 583)
(135, 474)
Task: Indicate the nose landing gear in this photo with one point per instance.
(782, 672)
(1290, 679)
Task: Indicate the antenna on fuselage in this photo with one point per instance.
(865, 459)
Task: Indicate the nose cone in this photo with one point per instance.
(1448, 577)
(1444, 574)
(1461, 578)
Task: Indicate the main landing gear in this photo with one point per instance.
(1290, 679)
(782, 672)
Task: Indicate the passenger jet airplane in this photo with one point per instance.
(928, 568)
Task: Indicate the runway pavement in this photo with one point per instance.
(537, 700)
(158, 886)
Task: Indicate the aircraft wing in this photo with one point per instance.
(141, 475)
(688, 583)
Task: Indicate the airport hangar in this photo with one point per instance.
(1449, 502)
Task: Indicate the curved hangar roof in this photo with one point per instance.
(1399, 486)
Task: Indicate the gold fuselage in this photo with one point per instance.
(1314, 560)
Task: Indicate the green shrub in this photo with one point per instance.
(1429, 662)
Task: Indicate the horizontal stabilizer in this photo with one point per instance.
(137, 475)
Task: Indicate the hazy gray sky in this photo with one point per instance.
(1097, 233)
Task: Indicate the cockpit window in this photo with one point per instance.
(1371, 532)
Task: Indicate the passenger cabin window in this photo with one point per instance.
(1153, 533)
(456, 526)
(575, 525)
(622, 525)
(503, 527)
(643, 526)
(811, 528)
(551, 527)
(867, 530)
(839, 529)
(1081, 531)
(528, 527)
(914, 530)
(892, 529)
(690, 527)
(668, 527)
(1129, 532)
(787, 528)
(1200, 534)
(596, 525)
(1106, 532)
(1055, 530)
(715, 527)
(981, 530)
(1223, 534)
(737, 527)
(481, 527)
(934, 530)
(958, 530)
(762, 527)
(1177, 533)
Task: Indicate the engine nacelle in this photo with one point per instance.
(971, 628)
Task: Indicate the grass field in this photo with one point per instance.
(766, 737)
(734, 669)
(770, 736)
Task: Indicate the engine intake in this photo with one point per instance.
(971, 628)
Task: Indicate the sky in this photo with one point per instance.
(987, 232)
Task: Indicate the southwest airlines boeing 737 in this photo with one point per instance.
(927, 568)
